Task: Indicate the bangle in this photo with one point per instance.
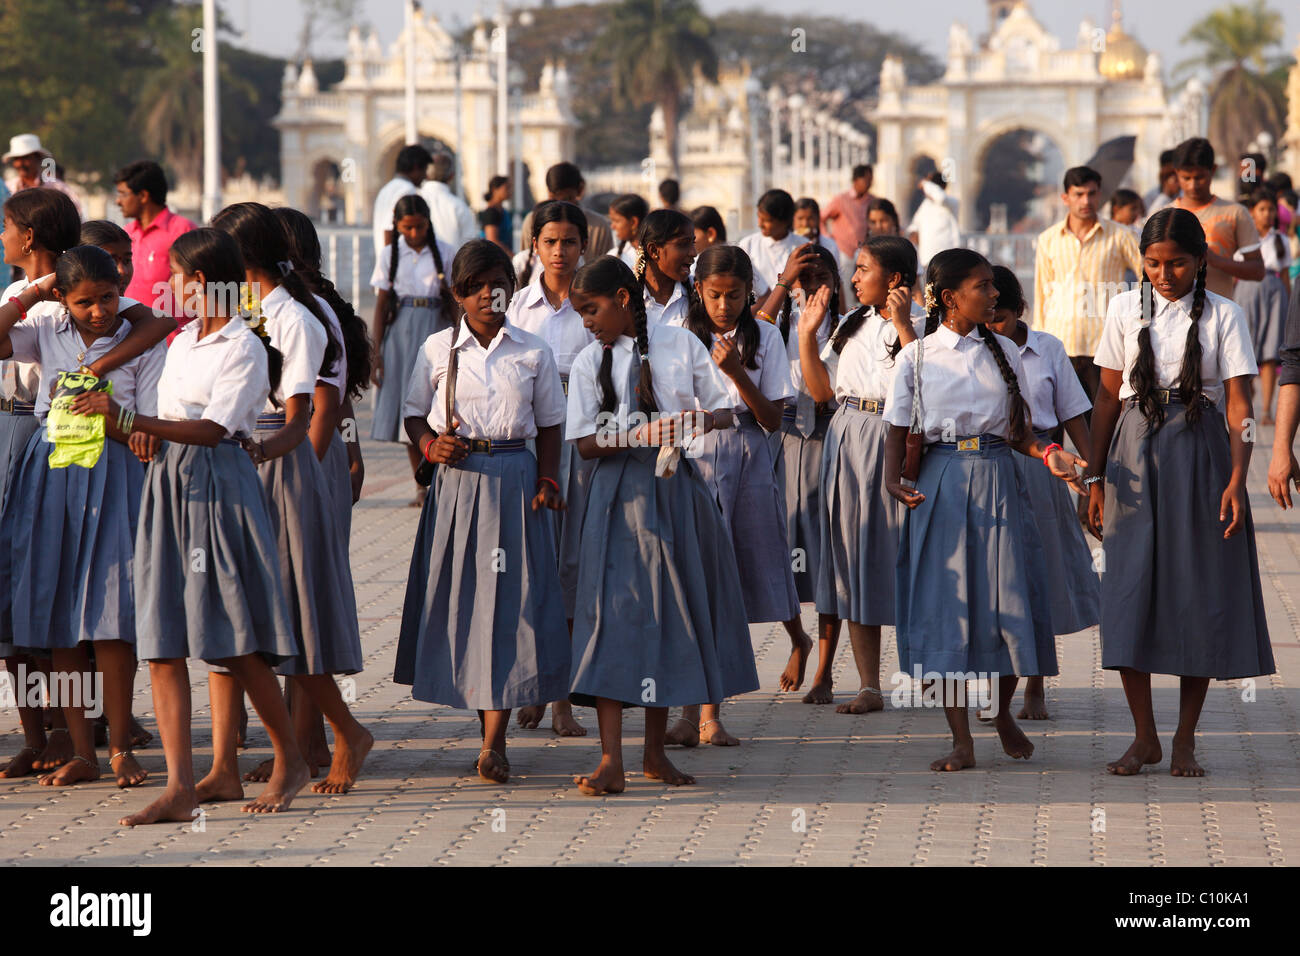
(22, 310)
(1050, 448)
(785, 285)
(765, 317)
(550, 481)
(1091, 480)
(424, 451)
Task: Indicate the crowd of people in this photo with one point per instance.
(631, 440)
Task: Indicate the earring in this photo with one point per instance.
(27, 249)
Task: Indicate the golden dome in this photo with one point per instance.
(1124, 58)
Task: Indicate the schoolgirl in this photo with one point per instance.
(770, 247)
(1056, 399)
(1265, 302)
(710, 230)
(314, 564)
(626, 214)
(67, 533)
(971, 592)
(665, 264)
(857, 521)
(665, 622)
(736, 463)
(412, 302)
(808, 224)
(1181, 592)
(543, 308)
(206, 573)
(483, 623)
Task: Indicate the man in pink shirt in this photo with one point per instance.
(142, 198)
(846, 215)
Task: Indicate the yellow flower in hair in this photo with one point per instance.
(250, 310)
(931, 301)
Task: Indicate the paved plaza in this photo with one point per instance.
(807, 786)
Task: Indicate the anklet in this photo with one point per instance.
(121, 753)
(870, 690)
(707, 722)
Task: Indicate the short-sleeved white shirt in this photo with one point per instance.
(561, 328)
(863, 369)
(1050, 384)
(772, 376)
(962, 391)
(417, 272)
(300, 339)
(671, 312)
(221, 378)
(386, 203)
(53, 343)
(683, 372)
(339, 376)
(768, 257)
(1226, 350)
(20, 381)
(792, 347)
(503, 392)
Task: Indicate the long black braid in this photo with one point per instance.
(474, 263)
(893, 254)
(730, 261)
(604, 277)
(414, 205)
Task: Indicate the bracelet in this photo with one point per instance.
(550, 481)
(22, 311)
(785, 285)
(765, 317)
(1090, 481)
(424, 452)
(125, 420)
(1050, 448)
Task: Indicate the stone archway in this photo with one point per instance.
(1016, 171)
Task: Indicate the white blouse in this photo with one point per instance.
(221, 378)
(792, 347)
(20, 381)
(962, 391)
(1226, 350)
(417, 272)
(505, 391)
(684, 375)
(671, 312)
(561, 328)
(772, 376)
(768, 257)
(863, 369)
(339, 377)
(1050, 384)
(300, 339)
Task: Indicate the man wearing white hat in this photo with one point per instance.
(35, 167)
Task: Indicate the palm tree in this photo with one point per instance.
(1244, 100)
(656, 46)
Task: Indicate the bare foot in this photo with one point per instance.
(219, 787)
(566, 725)
(961, 757)
(57, 752)
(530, 716)
(281, 788)
(492, 767)
(265, 770)
(140, 737)
(1035, 706)
(819, 693)
(349, 755)
(607, 779)
(682, 731)
(661, 768)
(1014, 741)
(76, 770)
(864, 703)
(318, 756)
(1140, 752)
(712, 732)
(129, 773)
(792, 676)
(174, 806)
(22, 764)
(1182, 762)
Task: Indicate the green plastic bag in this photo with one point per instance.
(77, 439)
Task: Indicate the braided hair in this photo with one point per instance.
(1184, 229)
(413, 204)
(730, 261)
(261, 241)
(217, 256)
(894, 254)
(604, 277)
(469, 271)
(544, 213)
(49, 214)
(946, 272)
(305, 254)
(629, 206)
(659, 228)
(828, 260)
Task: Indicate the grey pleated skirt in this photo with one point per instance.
(1176, 598)
(736, 465)
(339, 478)
(402, 342)
(662, 622)
(15, 430)
(574, 479)
(313, 565)
(860, 522)
(1072, 585)
(207, 576)
(483, 624)
(1265, 305)
(798, 467)
(67, 539)
(972, 592)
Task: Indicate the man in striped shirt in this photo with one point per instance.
(1079, 263)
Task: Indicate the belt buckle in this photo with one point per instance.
(871, 405)
(6, 404)
(480, 445)
(968, 444)
(1162, 395)
(564, 386)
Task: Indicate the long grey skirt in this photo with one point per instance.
(798, 467)
(402, 342)
(68, 539)
(339, 477)
(1265, 305)
(575, 478)
(736, 465)
(972, 592)
(662, 622)
(483, 624)
(860, 522)
(1072, 584)
(207, 576)
(313, 565)
(1176, 597)
(15, 430)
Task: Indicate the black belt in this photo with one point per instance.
(490, 446)
(865, 405)
(791, 412)
(419, 301)
(15, 407)
(974, 442)
(1169, 396)
(564, 383)
(270, 422)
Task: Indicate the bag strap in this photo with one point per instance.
(452, 361)
(918, 408)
